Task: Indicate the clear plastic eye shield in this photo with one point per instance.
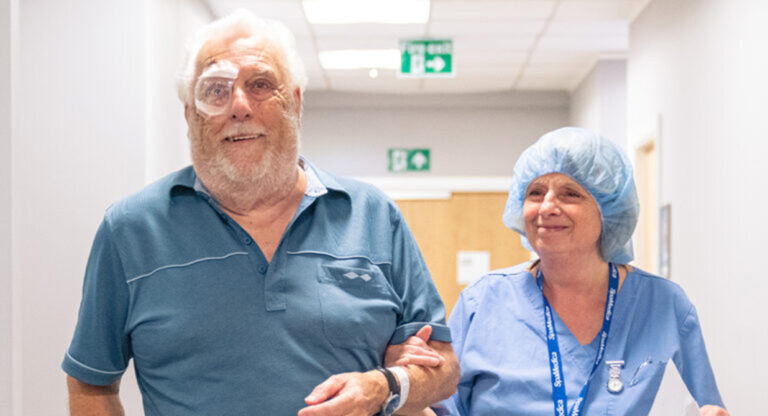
(215, 88)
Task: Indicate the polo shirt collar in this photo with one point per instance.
(318, 182)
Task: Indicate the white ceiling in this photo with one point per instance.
(499, 45)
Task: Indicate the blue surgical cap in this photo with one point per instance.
(596, 164)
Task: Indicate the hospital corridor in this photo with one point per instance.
(457, 161)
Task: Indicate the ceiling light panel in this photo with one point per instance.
(370, 29)
(360, 59)
(366, 11)
(327, 43)
(289, 13)
(269, 9)
(598, 9)
(485, 10)
(361, 74)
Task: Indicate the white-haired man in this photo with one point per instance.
(253, 282)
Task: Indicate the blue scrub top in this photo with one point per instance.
(214, 329)
(498, 335)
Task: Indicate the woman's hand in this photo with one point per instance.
(413, 351)
(710, 410)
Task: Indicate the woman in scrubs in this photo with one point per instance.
(578, 331)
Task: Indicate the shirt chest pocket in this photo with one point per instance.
(358, 308)
(648, 372)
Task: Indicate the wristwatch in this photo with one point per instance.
(392, 401)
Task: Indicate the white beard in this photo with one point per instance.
(243, 185)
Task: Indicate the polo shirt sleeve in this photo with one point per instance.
(100, 349)
(421, 304)
(693, 364)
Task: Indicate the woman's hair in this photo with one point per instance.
(248, 24)
(596, 164)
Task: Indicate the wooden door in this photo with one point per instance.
(645, 232)
(468, 221)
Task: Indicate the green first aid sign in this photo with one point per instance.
(409, 160)
(426, 58)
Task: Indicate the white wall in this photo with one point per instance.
(6, 286)
(170, 23)
(701, 66)
(470, 134)
(77, 145)
(599, 102)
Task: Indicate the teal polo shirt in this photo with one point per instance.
(175, 284)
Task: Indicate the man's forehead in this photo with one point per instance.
(239, 50)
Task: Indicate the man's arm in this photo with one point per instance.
(364, 393)
(89, 400)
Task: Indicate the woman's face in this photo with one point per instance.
(561, 216)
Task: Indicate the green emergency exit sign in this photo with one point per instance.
(426, 58)
(409, 160)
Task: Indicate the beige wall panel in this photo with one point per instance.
(465, 222)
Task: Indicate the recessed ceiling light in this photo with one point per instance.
(373, 73)
(360, 59)
(366, 11)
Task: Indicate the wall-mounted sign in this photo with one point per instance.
(426, 58)
(408, 160)
(472, 265)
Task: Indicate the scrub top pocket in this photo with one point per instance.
(358, 308)
(649, 369)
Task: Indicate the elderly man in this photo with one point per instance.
(253, 282)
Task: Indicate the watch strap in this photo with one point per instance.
(391, 380)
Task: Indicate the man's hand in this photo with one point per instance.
(348, 394)
(413, 351)
(710, 410)
(432, 368)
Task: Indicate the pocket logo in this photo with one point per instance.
(353, 276)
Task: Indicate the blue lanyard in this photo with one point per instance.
(559, 397)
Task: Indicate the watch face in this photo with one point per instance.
(615, 385)
(392, 404)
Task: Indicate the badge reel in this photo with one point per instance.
(615, 385)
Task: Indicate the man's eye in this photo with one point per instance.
(261, 85)
(217, 90)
